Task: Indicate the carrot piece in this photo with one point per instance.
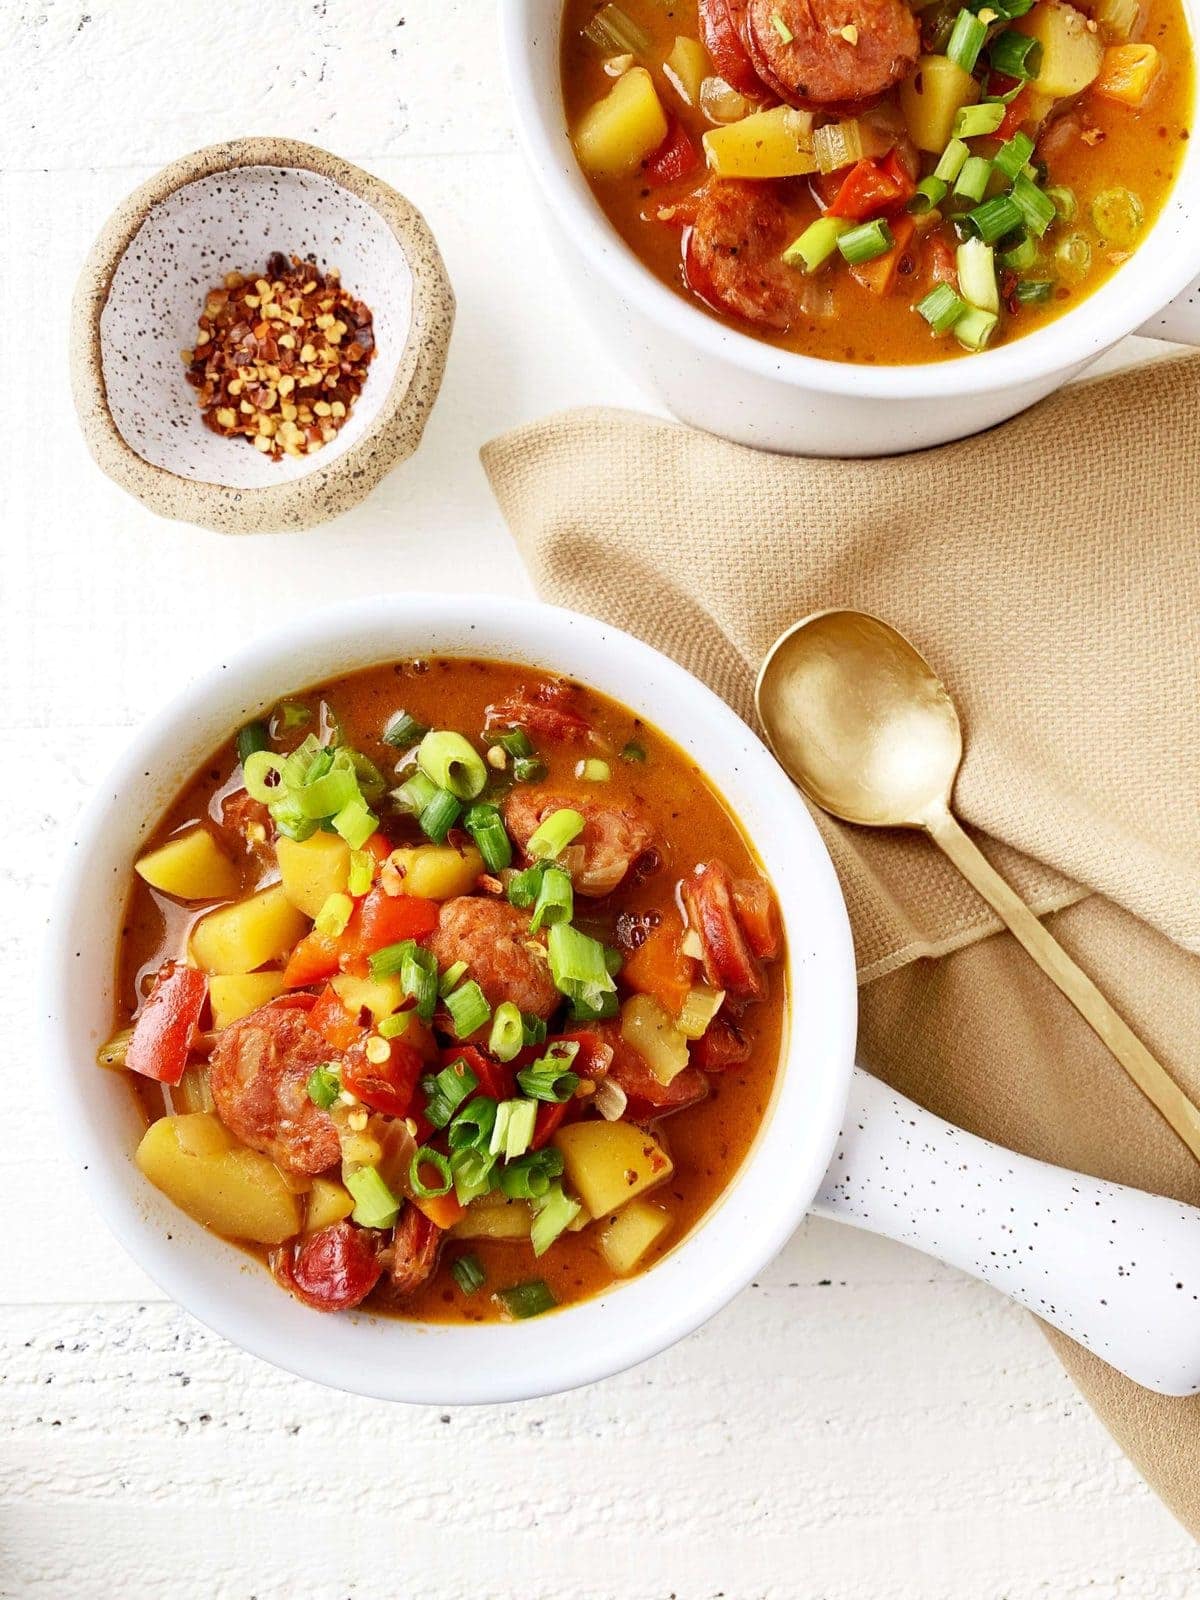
(1127, 73)
(880, 274)
(331, 1019)
(658, 966)
(443, 1210)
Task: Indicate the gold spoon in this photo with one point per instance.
(858, 719)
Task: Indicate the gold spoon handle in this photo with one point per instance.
(1149, 1075)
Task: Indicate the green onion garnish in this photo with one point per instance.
(1019, 256)
(440, 815)
(468, 1009)
(356, 823)
(973, 122)
(533, 1028)
(966, 40)
(486, 827)
(606, 1006)
(975, 328)
(375, 1206)
(866, 242)
(972, 181)
(362, 873)
(324, 1086)
(929, 194)
(389, 961)
(473, 1169)
(446, 1090)
(992, 220)
(423, 1159)
(952, 160)
(523, 887)
(554, 834)
(555, 900)
(976, 264)
(632, 751)
(553, 1215)
(526, 1299)
(468, 1273)
(529, 769)
(451, 977)
(508, 1032)
(1118, 215)
(395, 1026)
(403, 731)
(414, 795)
(529, 1177)
(810, 251)
(593, 770)
(577, 965)
(1012, 156)
(294, 715)
(784, 32)
(515, 741)
(1065, 203)
(1074, 256)
(1032, 291)
(941, 308)
(252, 737)
(513, 1128)
(472, 1128)
(1016, 55)
(550, 1078)
(1036, 206)
(450, 761)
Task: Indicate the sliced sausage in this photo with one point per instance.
(546, 711)
(333, 1270)
(839, 53)
(506, 960)
(646, 1097)
(258, 1074)
(732, 253)
(411, 1258)
(721, 23)
(729, 963)
(252, 825)
(613, 837)
(722, 1045)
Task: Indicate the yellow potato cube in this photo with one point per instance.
(236, 1192)
(931, 98)
(238, 994)
(379, 996)
(244, 936)
(646, 1026)
(1071, 53)
(621, 130)
(686, 68)
(191, 867)
(313, 869)
(767, 144)
(438, 871)
(630, 1234)
(609, 1163)
(494, 1216)
(328, 1202)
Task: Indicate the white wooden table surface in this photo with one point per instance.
(861, 1423)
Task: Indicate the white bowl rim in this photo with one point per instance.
(1148, 282)
(646, 1314)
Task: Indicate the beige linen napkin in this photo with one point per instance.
(1050, 571)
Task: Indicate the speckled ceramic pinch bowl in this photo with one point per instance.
(222, 209)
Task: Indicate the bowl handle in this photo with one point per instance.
(1178, 321)
(1116, 1269)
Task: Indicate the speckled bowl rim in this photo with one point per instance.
(325, 491)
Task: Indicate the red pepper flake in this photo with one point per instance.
(280, 360)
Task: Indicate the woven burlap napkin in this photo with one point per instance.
(1050, 571)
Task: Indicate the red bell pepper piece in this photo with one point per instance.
(332, 1021)
(675, 159)
(316, 957)
(386, 1086)
(869, 189)
(389, 919)
(550, 1117)
(163, 1032)
(496, 1079)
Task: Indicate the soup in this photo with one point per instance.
(451, 990)
(857, 181)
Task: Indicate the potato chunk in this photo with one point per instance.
(686, 68)
(236, 1192)
(191, 867)
(931, 98)
(328, 1202)
(646, 1026)
(609, 1163)
(621, 130)
(630, 1234)
(1071, 52)
(767, 144)
(379, 996)
(245, 936)
(494, 1216)
(241, 993)
(313, 869)
(438, 871)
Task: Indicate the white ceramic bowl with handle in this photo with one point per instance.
(729, 383)
(891, 1166)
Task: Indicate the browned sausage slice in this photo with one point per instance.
(411, 1258)
(613, 837)
(732, 254)
(259, 1074)
(333, 1270)
(823, 53)
(504, 958)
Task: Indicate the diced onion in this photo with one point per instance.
(610, 1100)
(721, 103)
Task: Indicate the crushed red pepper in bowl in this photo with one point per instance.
(279, 360)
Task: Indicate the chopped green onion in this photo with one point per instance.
(1032, 291)
(928, 195)
(1013, 155)
(972, 181)
(529, 1177)
(389, 961)
(371, 781)
(473, 1170)
(468, 1273)
(326, 794)
(472, 1127)
(577, 965)
(941, 308)
(486, 827)
(554, 834)
(468, 1009)
(593, 771)
(1021, 256)
(952, 160)
(252, 737)
(424, 1158)
(523, 887)
(362, 873)
(334, 915)
(324, 1086)
(523, 1300)
(508, 1032)
(403, 731)
(973, 122)
(533, 1028)
(555, 900)
(395, 1026)
(446, 1090)
(553, 1215)
(415, 794)
(451, 977)
(375, 1206)
(452, 763)
(606, 1006)
(515, 741)
(513, 1129)
(1036, 206)
(440, 815)
(992, 220)
(811, 251)
(259, 767)
(294, 716)
(550, 1078)
(1073, 256)
(614, 33)
(356, 823)
(975, 327)
(419, 978)
(1065, 203)
(866, 242)
(614, 959)
(976, 263)
(1015, 55)
(1118, 216)
(786, 36)
(966, 40)
(529, 769)
(632, 751)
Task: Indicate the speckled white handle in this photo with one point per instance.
(1116, 1269)
(1179, 321)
